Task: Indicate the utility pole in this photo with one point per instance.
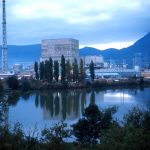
(4, 39)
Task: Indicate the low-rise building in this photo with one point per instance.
(115, 73)
(97, 60)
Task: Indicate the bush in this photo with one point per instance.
(54, 137)
(138, 118)
(88, 129)
(13, 83)
(25, 85)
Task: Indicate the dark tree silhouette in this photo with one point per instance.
(36, 70)
(56, 70)
(63, 69)
(92, 70)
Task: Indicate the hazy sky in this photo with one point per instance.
(97, 23)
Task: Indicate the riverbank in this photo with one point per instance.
(12, 84)
(101, 83)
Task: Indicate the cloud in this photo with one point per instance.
(93, 22)
(117, 45)
(72, 10)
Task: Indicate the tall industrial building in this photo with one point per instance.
(55, 48)
(4, 39)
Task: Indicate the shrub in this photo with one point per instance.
(25, 85)
(88, 129)
(13, 83)
(54, 137)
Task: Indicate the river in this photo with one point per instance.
(49, 107)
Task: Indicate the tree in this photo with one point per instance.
(1, 86)
(51, 69)
(137, 118)
(56, 70)
(75, 70)
(92, 70)
(55, 136)
(132, 135)
(63, 69)
(82, 70)
(41, 70)
(88, 129)
(13, 82)
(36, 70)
(46, 70)
(68, 70)
(134, 117)
(25, 85)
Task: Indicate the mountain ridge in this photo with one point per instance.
(32, 52)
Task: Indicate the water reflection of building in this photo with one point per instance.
(70, 105)
(60, 105)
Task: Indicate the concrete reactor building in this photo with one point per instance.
(55, 48)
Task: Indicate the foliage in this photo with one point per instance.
(55, 136)
(121, 138)
(50, 69)
(47, 70)
(15, 138)
(75, 70)
(13, 82)
(133, 135)
(92, 70)
(58, 132)
(95, 126)
(41, 70)
(63, 69)
(138, 118)
(56, 70)
(36, 70)
(13, 98)
(82, 71)
(25, 84)
(88, 129)
(68, 71)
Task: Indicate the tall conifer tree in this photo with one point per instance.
(68, 71)
(92, 70)
(63, 69)
(56, 70)
(36, 70)
(75, 70)
(82, 70)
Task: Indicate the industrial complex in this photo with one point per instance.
(55, 48)
(69, 48)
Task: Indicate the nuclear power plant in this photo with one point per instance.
(69, 48)
(55, 48)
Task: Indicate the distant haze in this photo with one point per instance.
(96, 23)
